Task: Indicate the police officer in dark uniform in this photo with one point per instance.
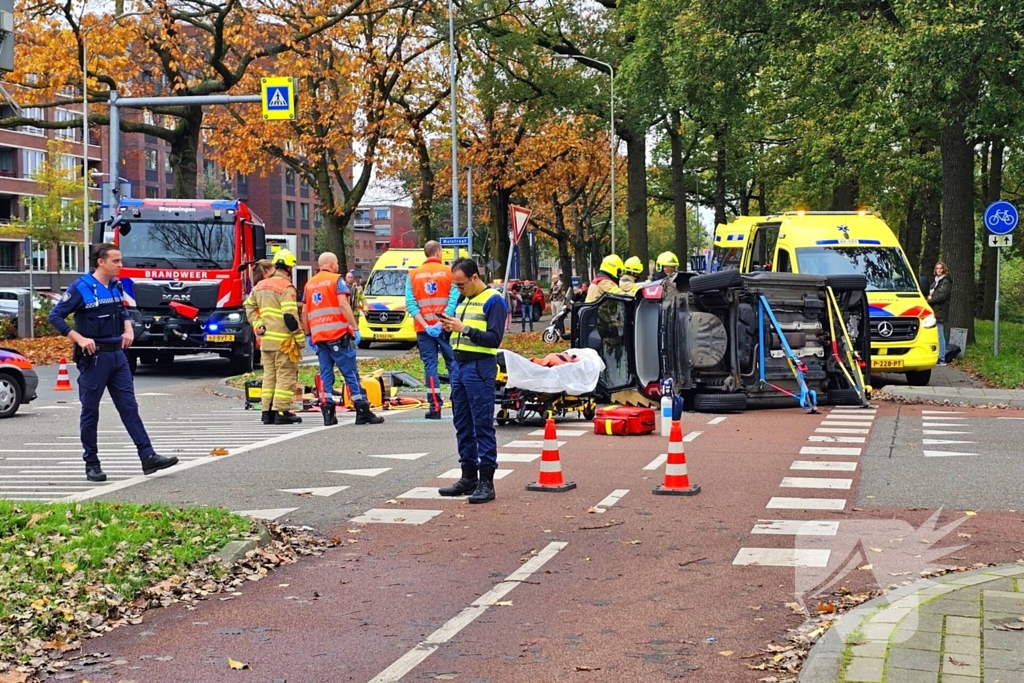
(102, 332)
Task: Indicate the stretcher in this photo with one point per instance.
(524, 389)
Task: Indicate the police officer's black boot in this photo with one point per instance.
(155, 463)
(364, 416)
(325, 410)
(463, 486)
(333, 407)
(93, 472)
(268, 417)
(433, 414)
(485, 489)
(286, 417)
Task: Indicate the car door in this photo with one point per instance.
(607, 327)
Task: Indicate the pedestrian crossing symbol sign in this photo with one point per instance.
(278, 97)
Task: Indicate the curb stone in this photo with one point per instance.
(902, 395)
(824, 661)
(233, 551)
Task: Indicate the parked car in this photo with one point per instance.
(18, 382)
(9, 300)
(705, 332)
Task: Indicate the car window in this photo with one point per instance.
(611, 325)
(387, 283)
(783, 262)
(884, 267)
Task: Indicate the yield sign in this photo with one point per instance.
(520, 217)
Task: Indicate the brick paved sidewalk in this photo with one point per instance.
(946, 630)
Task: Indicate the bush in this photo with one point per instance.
(8, 328)
(43, 328)
(1011, 290)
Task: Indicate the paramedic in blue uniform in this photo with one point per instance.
(477, 328)
(102, 332)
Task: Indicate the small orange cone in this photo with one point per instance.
(550, 478)
(63, 381)
(677, 481)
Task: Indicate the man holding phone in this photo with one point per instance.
(477, 329)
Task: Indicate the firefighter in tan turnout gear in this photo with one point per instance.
(273, 312)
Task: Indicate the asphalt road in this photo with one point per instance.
(606, 581)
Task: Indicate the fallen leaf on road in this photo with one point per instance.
(219, 451)
(1010, 627)
(444, 677)
(877, 550)
(580, 667)
(238, 666)
(726, 653)
(826, 608)
(865, 568)
(355, 531)
(964, 535)
(970, 513)
(503, 603)
(283, 585)
(13, 677)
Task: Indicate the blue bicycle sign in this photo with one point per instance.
(1001, 218)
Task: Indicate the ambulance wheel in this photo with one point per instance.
(364, 343)
(720, 403)
(133, 363)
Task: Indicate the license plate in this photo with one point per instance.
(881, 363)
(219, 338)
(383, 336)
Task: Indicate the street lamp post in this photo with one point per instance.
(469, 207)
(455, 152)
(611, 126)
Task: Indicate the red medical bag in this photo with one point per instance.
(624, 420)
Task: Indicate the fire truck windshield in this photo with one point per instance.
(197, 243)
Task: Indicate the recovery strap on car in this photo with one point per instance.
(808, 398)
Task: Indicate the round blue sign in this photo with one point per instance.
(1001, 218)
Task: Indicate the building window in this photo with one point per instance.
(8, 256)
(362, 217)
(7, 163)
(150, 157)
(304, 211)
(382, 230)
(40, 259)
(69, 257)
(33, 159)
(243, 179)
(381, 247)
(209, 168)
(289, 210)
(152, 192)
(68, 164)
(304, 244)
(67, 133)
(382, 214)
(33, 113)
(317, 216)
(289, 178)
(167, 164)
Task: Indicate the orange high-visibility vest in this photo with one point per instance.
(323, 309)
(431, 287)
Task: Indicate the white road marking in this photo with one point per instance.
(453, 626)
(657, 462)
(562, 432)
(824, 465)
(717, 420)
(779, 503)
(815, 483)
(428, 493)
(691, 436)
(940, 418)
(153, 393)
(517, 457)
(795, 527)
(933, 432)
(271, 514)
(944, 424)
(392, 516)
(529, 444)
(1010, 418)
(457, 474)
(850, 416)
(945, 412)
(782, 557)
(321, 492)
(828, 450)
(837, 439)
(836, 423)
(944, 454)
(369, 472)
(399, 456)
(610, 500)
(943, 442)
(841, 430)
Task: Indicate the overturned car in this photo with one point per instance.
(726, 340)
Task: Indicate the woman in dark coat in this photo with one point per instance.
(938, 297)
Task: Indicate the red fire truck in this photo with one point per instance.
(185, 277)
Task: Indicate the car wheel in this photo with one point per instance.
(711, 282)
(847, 282)
(919, 378)
(720, 403)
(364, 343)
(10, 395)
(844, 397)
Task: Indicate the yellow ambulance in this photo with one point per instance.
(729, 242)
(904, 337)
(383, 316)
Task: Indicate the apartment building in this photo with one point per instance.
(377, 228)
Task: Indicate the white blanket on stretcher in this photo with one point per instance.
(572, 379)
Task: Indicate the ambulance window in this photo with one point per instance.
(763, 248)
(783, 262)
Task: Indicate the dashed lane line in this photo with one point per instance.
(944, 442)
(717, 421)
(399, 456)
(610, 500)
(815, 483)
(828, 450)
(935, 432)
(841, 430)
(449, 630)
(824, 465)
(457, 474)
(795, 527)
(269, 514)
(517, 457)
(782, 557)
(663, 458)
(530, 444)
(368, 472)
(946, 454)
(395, 516)
(837, 439)
(782, 503)
(562, 432)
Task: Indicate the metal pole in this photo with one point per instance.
(114, 157)
(85, 153)
(469, 208)
(455, 152)
(611, 133)
(995, 329)
(32, 292)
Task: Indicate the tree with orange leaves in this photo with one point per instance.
(159, 48)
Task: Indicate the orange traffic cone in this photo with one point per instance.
(550, 478)
(677, 481)
(63, 381)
